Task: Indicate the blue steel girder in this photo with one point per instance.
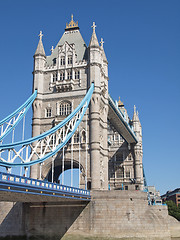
(11, 121)
(40, 148)
(119, 122)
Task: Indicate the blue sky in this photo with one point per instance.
(142, 40)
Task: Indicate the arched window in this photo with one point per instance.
(62, 75)
(69, 75)
(55, 76)
(76, 138)
(62, 61)
(65, 108)
(83, 136)
(69, 59)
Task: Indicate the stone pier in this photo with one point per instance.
(109, 215)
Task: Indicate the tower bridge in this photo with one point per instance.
(76, 125)
(60, 82)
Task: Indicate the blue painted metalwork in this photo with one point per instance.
(25, 106)
(13, 183)
(83, 106)
(122, 117)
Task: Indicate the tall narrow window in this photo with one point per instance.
(129, 157)
(62, 61)
(69, 75)
(127, 174)
(55, 77)
(48, 112)
(62, 76)
(54, 61)
(77, 74)
(76, 138)
(69, 59)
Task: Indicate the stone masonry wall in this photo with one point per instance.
(110, 214)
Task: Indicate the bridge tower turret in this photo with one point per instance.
(98, 75)
(38, 80)
(138, 150)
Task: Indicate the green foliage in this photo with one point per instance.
(173, 210)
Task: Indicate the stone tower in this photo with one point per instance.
(62, 79)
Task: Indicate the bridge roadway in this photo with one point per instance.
(22, 189)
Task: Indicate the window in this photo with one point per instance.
(65, 109)
(83, 136)
(62, 61)
(129, 157)
(48, 112)
(55, 77)
(69, 75)
(116, 137)
(76, 138)
(120, 173)
(62, 76)
(127, 174)
(69, 59)
(77, 74)
(54, 61)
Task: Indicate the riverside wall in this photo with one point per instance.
(109, 215)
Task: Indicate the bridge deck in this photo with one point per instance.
(16, 188)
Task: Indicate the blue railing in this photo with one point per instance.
(14, 183)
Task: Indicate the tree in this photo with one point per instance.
(173, 210)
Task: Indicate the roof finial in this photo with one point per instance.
(134, 109)
(93, 26)
(40, 35)
(72, 24)
(120, 103)
(52, 49)
(101, 42)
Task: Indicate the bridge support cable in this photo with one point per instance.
(79, 156)
(11, 121)
(86, 154)
(40, 148)
(40, 171)
(63, 167)
(72, 141)
(52, 169)
(23, 130)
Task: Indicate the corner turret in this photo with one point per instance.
(39, 63)
(138, 150)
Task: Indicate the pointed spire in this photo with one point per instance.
(135, 116)
(94, 41)
(40, 47)
(52, 49)
(102, 48)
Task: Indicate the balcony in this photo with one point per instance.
(62, 85)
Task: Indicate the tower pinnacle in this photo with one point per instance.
(94, 41)
(93, 26)
(40, 35)
(101, 42)
(40, 48)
